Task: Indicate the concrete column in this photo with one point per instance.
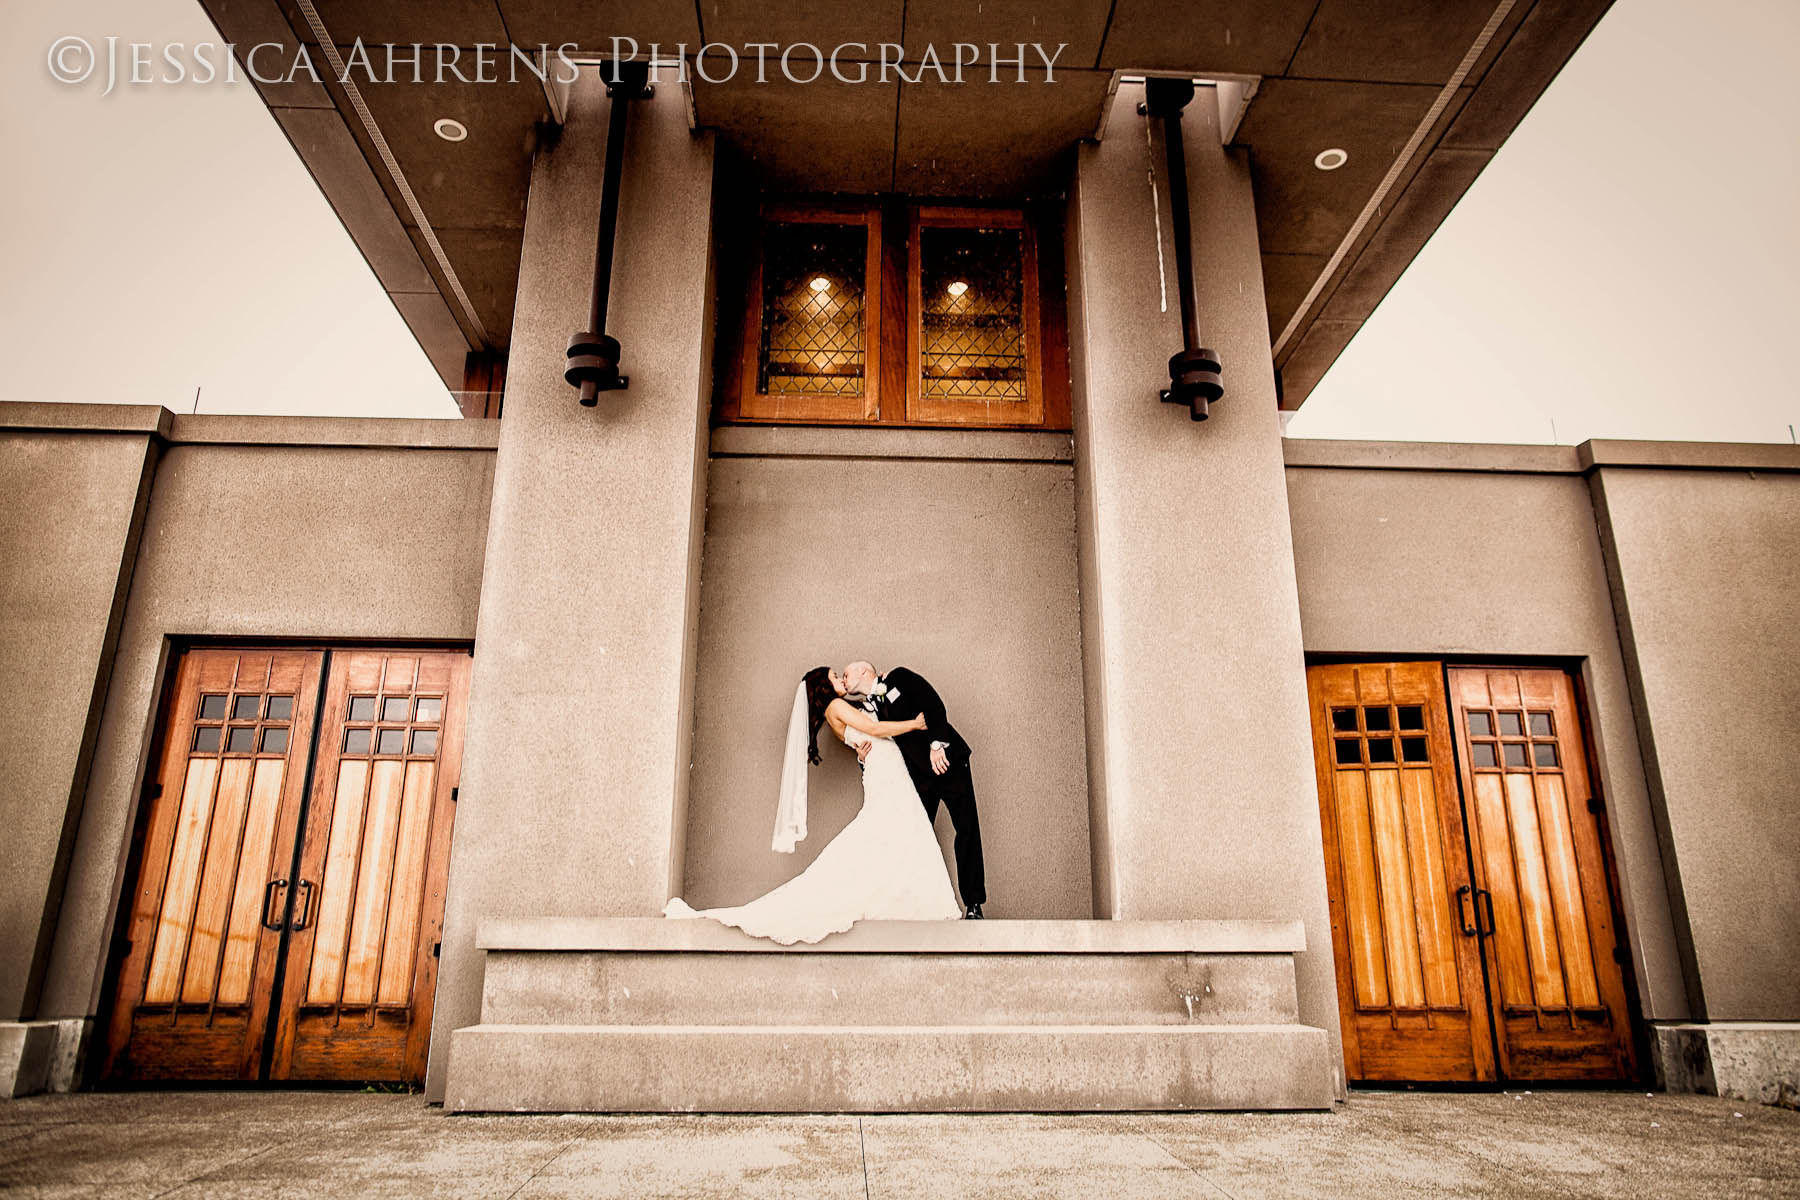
(1201, 778)
(575, 768)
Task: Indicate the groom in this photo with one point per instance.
(936, 757)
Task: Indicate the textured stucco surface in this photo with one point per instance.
(1420, 563)
(963, 571)
(1210, 803)
(1706, 573)
(575, 767)
(66, 528)
(245, 541)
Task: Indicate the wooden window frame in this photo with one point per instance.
(753, 404)
(928, 410)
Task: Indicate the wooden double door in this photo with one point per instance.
(289, 878)
(1471, 900)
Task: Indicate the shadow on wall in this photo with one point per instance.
(963, 571)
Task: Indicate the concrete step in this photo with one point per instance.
(893, 1068)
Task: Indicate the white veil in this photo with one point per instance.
(790, 809)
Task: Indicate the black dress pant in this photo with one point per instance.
(955, 788)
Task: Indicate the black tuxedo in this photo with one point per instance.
(908, 696)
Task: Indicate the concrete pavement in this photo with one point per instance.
(294, 1144)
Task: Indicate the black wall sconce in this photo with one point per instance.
(593, 356)
(1194, 371)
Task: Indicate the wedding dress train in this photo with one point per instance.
(884, 866)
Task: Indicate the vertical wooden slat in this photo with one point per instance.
(409, 885)
(1534, 893)
(347, 806)
(218, 879)
(1399, 929)
(375, 862)
(255, 869)
(1368, 961)
(1497, 867)
(1566, 898)
(1437, 934)
(183, 875)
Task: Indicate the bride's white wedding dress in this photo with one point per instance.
(884, 866)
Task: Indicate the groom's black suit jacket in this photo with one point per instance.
(915, 697)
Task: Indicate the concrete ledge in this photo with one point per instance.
(902, 937)
(153, 419)
(240, 430)
(27, 1053)
(1758, 1061)
(800, 441)
(1538, 460)
(1088, 1068)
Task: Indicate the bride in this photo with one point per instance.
(884, 866)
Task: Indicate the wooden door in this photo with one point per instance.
(1557, 987)
(1410, 993)
(362, 961)
(254, 900)
(192, 997)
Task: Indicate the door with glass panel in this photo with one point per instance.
(1471, 908)
(290, 874)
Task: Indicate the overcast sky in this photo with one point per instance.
(1628, 266)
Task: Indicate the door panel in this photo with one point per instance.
(361, 971)
(223, 812)
(1409, 978)
(217, 924)
(1559, 1003)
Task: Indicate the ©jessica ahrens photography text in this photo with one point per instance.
(75, 59)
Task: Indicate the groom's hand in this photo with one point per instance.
(940, 761)
(862, 751)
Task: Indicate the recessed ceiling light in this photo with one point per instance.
(1331, 160)
(820, 284)
(450, 131)
(957, 288)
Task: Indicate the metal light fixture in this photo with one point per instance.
(594, 356)
(1194, 370)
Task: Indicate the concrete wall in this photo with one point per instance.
(826, 545)
(68, 528)
(1706, 575)
(1427, 551)
(263, 528)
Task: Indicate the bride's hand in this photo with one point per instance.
(917, 722)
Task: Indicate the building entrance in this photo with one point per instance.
(1471, 905)
(289, 879)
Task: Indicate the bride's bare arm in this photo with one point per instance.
(841, 713)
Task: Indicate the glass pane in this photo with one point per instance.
(1483, 754)
(431, 708)
(1375, 719)
(1347, 753)
(1511, 725)
(1412, 749)
(1515, 754)
(356, 741)
(212, 708)
(281, 708)
(1412, 716)
(1343, 720)
(362, 708)
(971, 314)
(391, 741)
(424, 741)
(1381, 750)
(812, 309)
(241, 740)
(1540, 725)
(1481, 725)
(274, 740)
(246, 708)
(206, 738)
(1545, 753)
(395, 708)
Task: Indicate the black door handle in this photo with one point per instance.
(305, 889)
(1465, 912)
(269, 893)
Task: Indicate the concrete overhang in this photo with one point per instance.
(1419, 94)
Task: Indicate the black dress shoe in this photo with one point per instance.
(974, 913)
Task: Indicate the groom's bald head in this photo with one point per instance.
(859, 677)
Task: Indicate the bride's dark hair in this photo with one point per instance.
(819, 695)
